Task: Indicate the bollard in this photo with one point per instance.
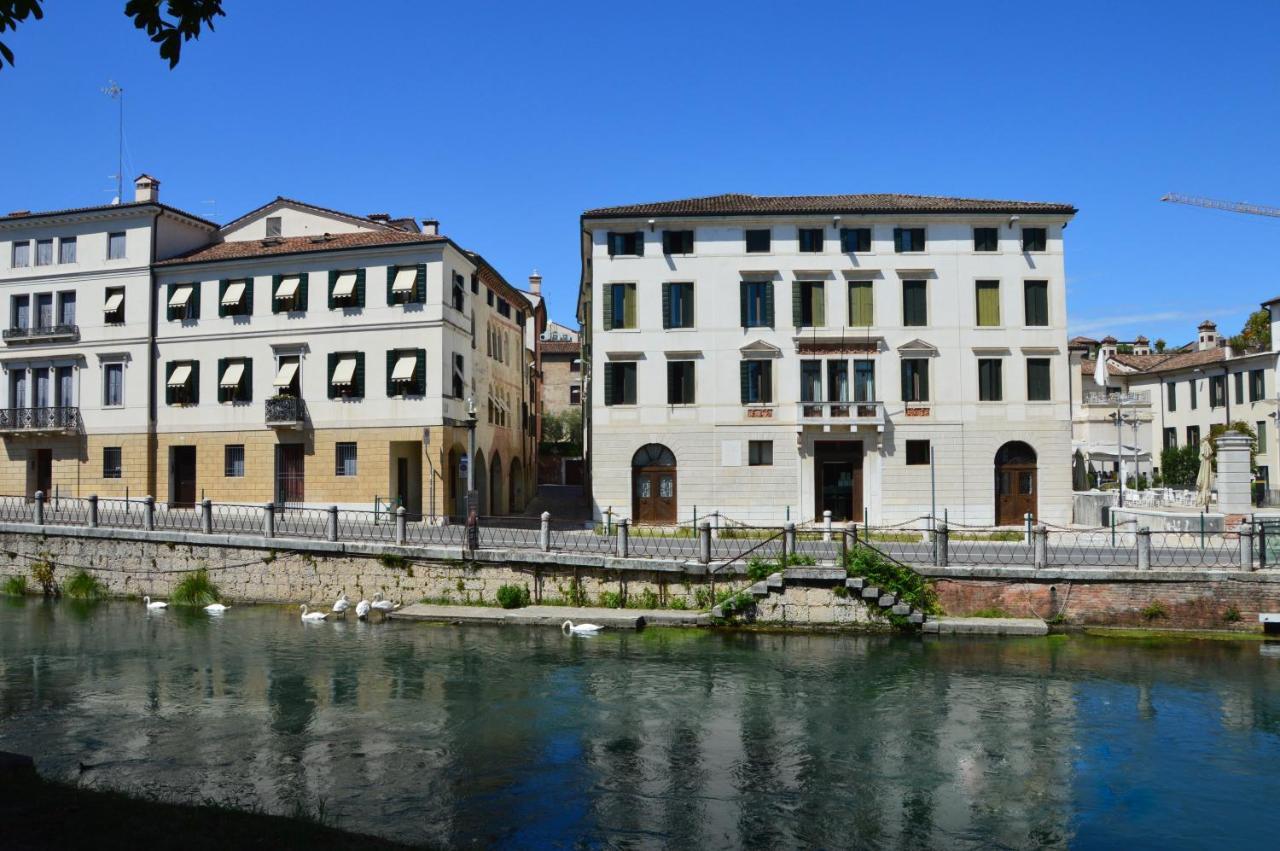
(268, 520)
(37, 509)
(624, 538)
(149, 513)
(206, 516)
(332, 531)
(544, 533)
(942, 545)
(704, 541)
(400, 526)
(1246, 547)
(1041, 536)
(826, 525)
(1027, 521)
(788, 543)
(93, 511)
(1144, 547)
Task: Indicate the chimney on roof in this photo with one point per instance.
(380, 217)
(431, 227)
(535, 283)
(1208, 337)
(146, 188)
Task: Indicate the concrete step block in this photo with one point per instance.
(855, 583)
(717, 612)
(887, 600)
(902, 609)
(871, 593)
(760, 589)
(774, 580)
(916, 617)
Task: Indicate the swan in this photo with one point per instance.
(581, 628)
(216, 608)
(158, 604)
(312, 617)
(341, 605)
(362, 609)
(384, 605)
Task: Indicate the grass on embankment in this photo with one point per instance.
(1140, 634)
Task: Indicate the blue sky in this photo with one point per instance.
(506, 121)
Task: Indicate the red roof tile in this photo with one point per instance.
(300, 245)
(737, 204)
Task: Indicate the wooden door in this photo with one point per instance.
(837, 479)
(1016, 490)
(653, 495)
(184, 476)
(289, 474)
(44, 472)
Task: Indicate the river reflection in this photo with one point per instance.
(527, 737)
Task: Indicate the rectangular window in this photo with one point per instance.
(677, 307)
(290, 293)
(233, 461)
(619, 306)
(182, 386)
(1217, 391)
(811, 240)
(236, 298)
(112, 463)
(986, 239)
(115, 246)
(988, 303)
(756, 304)
(346, 289)
(917, 453)
(1193, 435)
(44, 252)
(915, 309)
(406, 372)
(1257, 385)
(273, 226)
(65, 386)
(575, 394)
(855, 240)
(990, 380)
(908, 239)
(809, 304)
(1171, 395)
(504, 307)
(1035, 299)
(112, 385)
(1034, 239)
(404, 296)
(680, 382)
(1171, 438)
(20, 312)
(1194, 390)
(837, 381)
(235, 380)
(620, 383)
(631, 243)
(758, 241)
(67, 308)
(864, 381)
(757, 382)
(760, 453)
(575, 365)
(21, 254)
(1038, 382)
(184, 302)
(67, 249)
(346, 459)
(915, 379)
(677, 242)
(1260, 428)
(44, 310)
(1238, 380)
(810, 381)
(459, 376)
(113, 307)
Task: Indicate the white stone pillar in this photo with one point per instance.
(1234, 473)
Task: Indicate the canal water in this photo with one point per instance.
(503, 736)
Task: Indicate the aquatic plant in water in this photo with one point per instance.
(196, 589)
(83, 586)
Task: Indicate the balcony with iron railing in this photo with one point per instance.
(841, 413)
(1110, 399)
(285, 412)
(46, 420)
(63, 332)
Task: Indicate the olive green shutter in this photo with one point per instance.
(333, 364)
(819, 295)
(224, 395)
(391, 365)
(360, 287)
(195, 382)
(666, 305)
(797, 310)
(358, 379)
(768, 305)
(608, 307)
(608, 384)
(744, 377)
(861, 304)
(195, 300)
(742, 303)
(332, 278)
(988, 300)
(1036, 302)
(275, 288)
(420, 373)
(629, 306)
(420, 284)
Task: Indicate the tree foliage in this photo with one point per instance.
(562, 430)
(168, 23)
(1160, 344)
(1179, 466)
(1255, 336)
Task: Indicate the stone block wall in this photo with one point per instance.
(815, 606)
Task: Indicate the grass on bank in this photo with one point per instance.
(15, 586)
(82, 586)
(195, 589)
(1161, 635)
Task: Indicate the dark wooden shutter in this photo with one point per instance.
(797, 310)
(195, 382)
(610, 242)
(744, 378)
(224, 395)
(906, 380)
(359, 288)
(391, 279)
(275, 288)
(742, 304)
(608, 307)
(333, 364)
(168, 390)
(666, 305)
(639, 243)
(608, 384)
(333, 277)
(391, 365)
(247, 380)
(420, 284)
(222, 292)
(194, 313)
(420, 373)
(248, 296)
(768, 305)
(358, 380)
(924, 379)
(304, 299)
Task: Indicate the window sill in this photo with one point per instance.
(990, 328)
(621, 405)
(624, 330)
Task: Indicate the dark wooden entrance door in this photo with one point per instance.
(837, 479)
(1016, 484)
(44, 471)
(654, 494)
(402, 483)
(289, 473)
(183, 460)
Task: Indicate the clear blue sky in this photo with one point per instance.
(505, 121)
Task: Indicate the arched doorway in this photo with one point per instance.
(497, 487)
(481, 478)
(653, 485)
(516, 502)
(1016, 485)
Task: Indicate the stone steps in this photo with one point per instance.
(870, 594)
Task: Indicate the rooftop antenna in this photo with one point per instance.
(116, 93)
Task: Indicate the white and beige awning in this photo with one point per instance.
(231, 377)
(404, 368)
(345, 285)
(285, 376)
(288, 286)
(113, 302)
(344, 372)
(404, 280)
(181, 295)
(180, 375)
(233, 293)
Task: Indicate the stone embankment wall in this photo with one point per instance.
(815, 606)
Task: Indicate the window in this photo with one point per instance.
(273, 226)
(44, 310)
(113, 307)
(838, 380)
(680, 382)
(619, 306)
(346, 288)
(757, 382)
(67, 308)
(1034, 239)
(1191, 386)
(235, 298)
(44, 252)
(917, 452)
(808, 304)
(1035, 300)
(112, 464)
(855, 240)
(21, 254)
(65, 386)
(810, 381)
(1171, 438)
(575, 365)
(1217, 391)
(289, 293)
(760, 453)
(67, 249)
(488, 296)
(677, 306)
(401, 291)
(915, 380)
(1238, 379)
(20, 312)
(235, 380)
(459, 376)
(758, 241)
(1257, 385)
(915, 310)
(182, 383)
(406, 372)
(1171, 395)
(677, 242)
(233, 461)
(112, 385)
(811, 240)
(908, 239)
(184, 302)
(620, 383)
(475, 283)
(864, 381)
(1260, 429)
(1193, 435)
(986, 239)
(862, 304)
(504, 307)
(115, 246)
(626, 243)
(575, 394)
(345, 454)
(990, 385)
(1038, 383)
(988, 303)
(756, 304)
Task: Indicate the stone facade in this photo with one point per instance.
(801, 606)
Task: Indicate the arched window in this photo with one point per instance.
(653, 455)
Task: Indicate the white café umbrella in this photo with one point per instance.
(1100, 373)
(1204, 479)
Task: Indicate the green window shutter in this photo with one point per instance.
(248, 296)
(420, 373)
(768, 305)
(391, 278)
(629, 305)
(328, 376)
(169, 311)
(608, 307)
(640, 244)
(391, 365)
(195, 382)
(275, 288)
(358, 380)
(666, 305)
(360, 288)
(195, 300)
(797, 310)
(247, 380)
(332, 279)
(1036, 302)
(224, 395)
(688, 306)
(820, 305)
(744, 378)
(168, 391)
(304, 299)
(861, 305)
(222, 291)
(420, 284)
(988, 302)
(608, 384)
(924, 380)
(766, 381)
(897, 239)
(742, 304)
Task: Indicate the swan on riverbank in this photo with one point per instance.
(312, 617)
(581, 628)
(341, 605)
(158, 604)
(362, 609)
(384, 605)
(216, 608)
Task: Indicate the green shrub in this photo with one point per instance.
(610, 600)
(646, 599)
(902, 581)
(759, 568)
(679, 604)
(392, 561)
(513, 596)
(702, 597)
(1003, 535)
(1154, 611)
(82, 586)
(42, 573)
(195, 589)
(1231, 615)
(15, 586)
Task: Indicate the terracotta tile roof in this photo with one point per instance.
(1163, 362)
(299, 245)
(561, 347)
(27, 214)
(736, 204)
(1082, 341)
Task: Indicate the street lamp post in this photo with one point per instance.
(473, 519)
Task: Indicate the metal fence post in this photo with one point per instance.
(268, 520)
(206, 516)
(400, 526)
(149, 513)
(37, 509)
(93, 511)
(844, 543)
(332, 531)
(942, 545)
(624, 538)
(544, 532)
(826, 525)
(1040, 534)
(704, 536)
(1144, 547)
(788, 542)
(1027, 520)
(1246, 547)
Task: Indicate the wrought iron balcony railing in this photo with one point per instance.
(60, 418)
(1110, 400)
(62, 332)
(285, 411)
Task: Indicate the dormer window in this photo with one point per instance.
(184, 302)
(273, 226)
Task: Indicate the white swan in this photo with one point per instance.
(384, 605)
(158, 604)
(312, 617)
(216, 608)
(362, 609)
(581, 628)
(341, 605)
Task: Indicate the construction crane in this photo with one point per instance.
(1229, 206)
